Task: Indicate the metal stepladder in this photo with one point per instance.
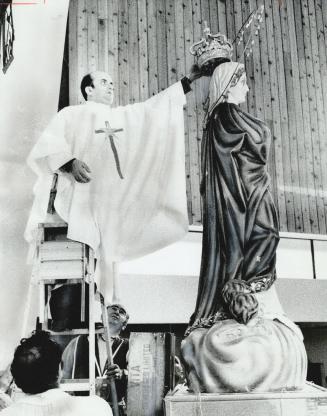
(59, 261)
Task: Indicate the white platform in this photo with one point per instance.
(312, 401)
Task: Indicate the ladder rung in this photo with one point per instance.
(51, 280)
(75, 385)
(81, 331)
(53, 225)
(61, 280)
(57, 251)
(68, 280)
(61, 269)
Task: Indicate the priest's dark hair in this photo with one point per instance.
(87, 81)
(35, 367)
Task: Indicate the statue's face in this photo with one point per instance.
(103, 90)
(237, 93)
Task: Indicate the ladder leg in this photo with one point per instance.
(113, 391)
(83, 301)
(47, 291)
(116, 283)
(41, 302)
(36, 271)
(91, 323)
(85, 252)
(27, 312)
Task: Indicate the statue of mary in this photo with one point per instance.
(239, 338)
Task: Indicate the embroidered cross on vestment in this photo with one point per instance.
(110, 135)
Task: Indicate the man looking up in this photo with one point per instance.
(121, 173)
(76, 357)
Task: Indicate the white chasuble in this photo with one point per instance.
(120, 219)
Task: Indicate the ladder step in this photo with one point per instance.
(81, 331)
(68, 280)
(53, 225)
(75, 385)
(61, 250)
(61, 269)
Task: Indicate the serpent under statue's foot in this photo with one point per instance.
(264, 355)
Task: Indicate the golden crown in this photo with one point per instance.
(212, 50)
(211, 47)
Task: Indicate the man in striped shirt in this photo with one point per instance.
(76, 357)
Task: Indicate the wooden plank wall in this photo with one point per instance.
(144, 44)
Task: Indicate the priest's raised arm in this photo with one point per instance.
(120, 173)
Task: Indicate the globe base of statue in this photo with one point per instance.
(266, 354)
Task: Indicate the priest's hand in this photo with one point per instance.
(80, 171)
(114, 372)
(195, 73)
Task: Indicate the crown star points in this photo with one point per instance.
(211, 47)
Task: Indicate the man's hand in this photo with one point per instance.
(195, 73)
(80, 171)
(113, 371)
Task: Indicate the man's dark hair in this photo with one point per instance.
(35, 367)
(87, 81)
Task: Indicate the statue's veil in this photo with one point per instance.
(220, 81)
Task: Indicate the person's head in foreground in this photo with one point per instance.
(36, 369)
(36, 364)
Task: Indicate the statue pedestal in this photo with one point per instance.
(311, 401)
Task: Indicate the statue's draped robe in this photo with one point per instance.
(240, 238)
(119, 218)
(240, 227)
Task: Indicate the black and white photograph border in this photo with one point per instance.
(163, 207)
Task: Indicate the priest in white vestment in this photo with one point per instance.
(123, 192)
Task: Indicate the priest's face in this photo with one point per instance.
(102, 90)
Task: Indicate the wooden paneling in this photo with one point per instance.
(143, 50)
(144, 44)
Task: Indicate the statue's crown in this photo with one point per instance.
(211, 47)
(212, 50)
